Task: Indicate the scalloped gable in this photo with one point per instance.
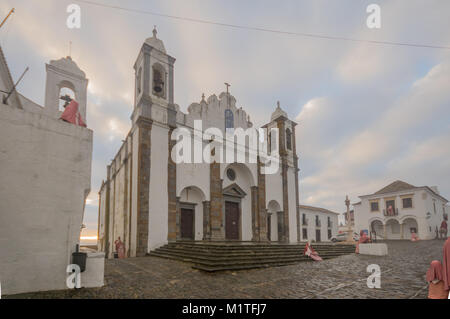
(212, 112)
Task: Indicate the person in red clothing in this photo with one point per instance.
(310, 252)
(120, 248)
(72, 115)
(436, 288)
(414, 236)
(363, 239)
(443, 230)
(446, 264)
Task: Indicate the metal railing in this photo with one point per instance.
(394, 213)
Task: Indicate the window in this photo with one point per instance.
(304, 221)
(288, 139)
(329, 233)
(229, 119)
(390, 207)
(374, 207)
(305, 233)
(231, 174)
(317, 221)
(434, 206)
(407, 202)
(329, 222)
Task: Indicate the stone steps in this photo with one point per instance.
(210, 253)
(216, 256)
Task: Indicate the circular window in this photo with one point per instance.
(231, 174)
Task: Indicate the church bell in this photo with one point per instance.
(158, 86)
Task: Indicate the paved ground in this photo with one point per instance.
(403, 276)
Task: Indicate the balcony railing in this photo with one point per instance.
(394, 213)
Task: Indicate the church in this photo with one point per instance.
(148, 200)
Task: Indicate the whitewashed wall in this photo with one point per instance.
(45, 167)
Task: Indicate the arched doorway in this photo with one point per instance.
(238, 201)
(393, 230)
(190, 214)
(273, 227)
(377, 229)
(409, 226)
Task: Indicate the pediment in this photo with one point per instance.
(234, 190)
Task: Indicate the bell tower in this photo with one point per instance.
(154, 79)
(290, 215)
(65, 74)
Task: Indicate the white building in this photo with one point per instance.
(400, 208)
(147, 200)
(318, 224)
(45, 171)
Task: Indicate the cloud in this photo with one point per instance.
(395, 145)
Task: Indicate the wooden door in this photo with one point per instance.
(187, 223)
(231, 220)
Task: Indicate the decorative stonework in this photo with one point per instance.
(144, 151)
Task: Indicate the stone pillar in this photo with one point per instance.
(284, 171)
(178, 220)
(297, 195)
(401, 231)
(143, 187)
(206, 220)
(261, 209)
(172, 192)
(216, 196)
(255, 220)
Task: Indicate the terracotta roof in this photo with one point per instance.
(395, 187)
(318, 209)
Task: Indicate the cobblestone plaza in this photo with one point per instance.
(402, 276)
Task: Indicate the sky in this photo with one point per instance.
(368, 114)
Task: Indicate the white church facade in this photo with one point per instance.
(399, 209)
(148, 200)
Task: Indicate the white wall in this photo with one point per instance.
(311, 227)
(45, 166)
